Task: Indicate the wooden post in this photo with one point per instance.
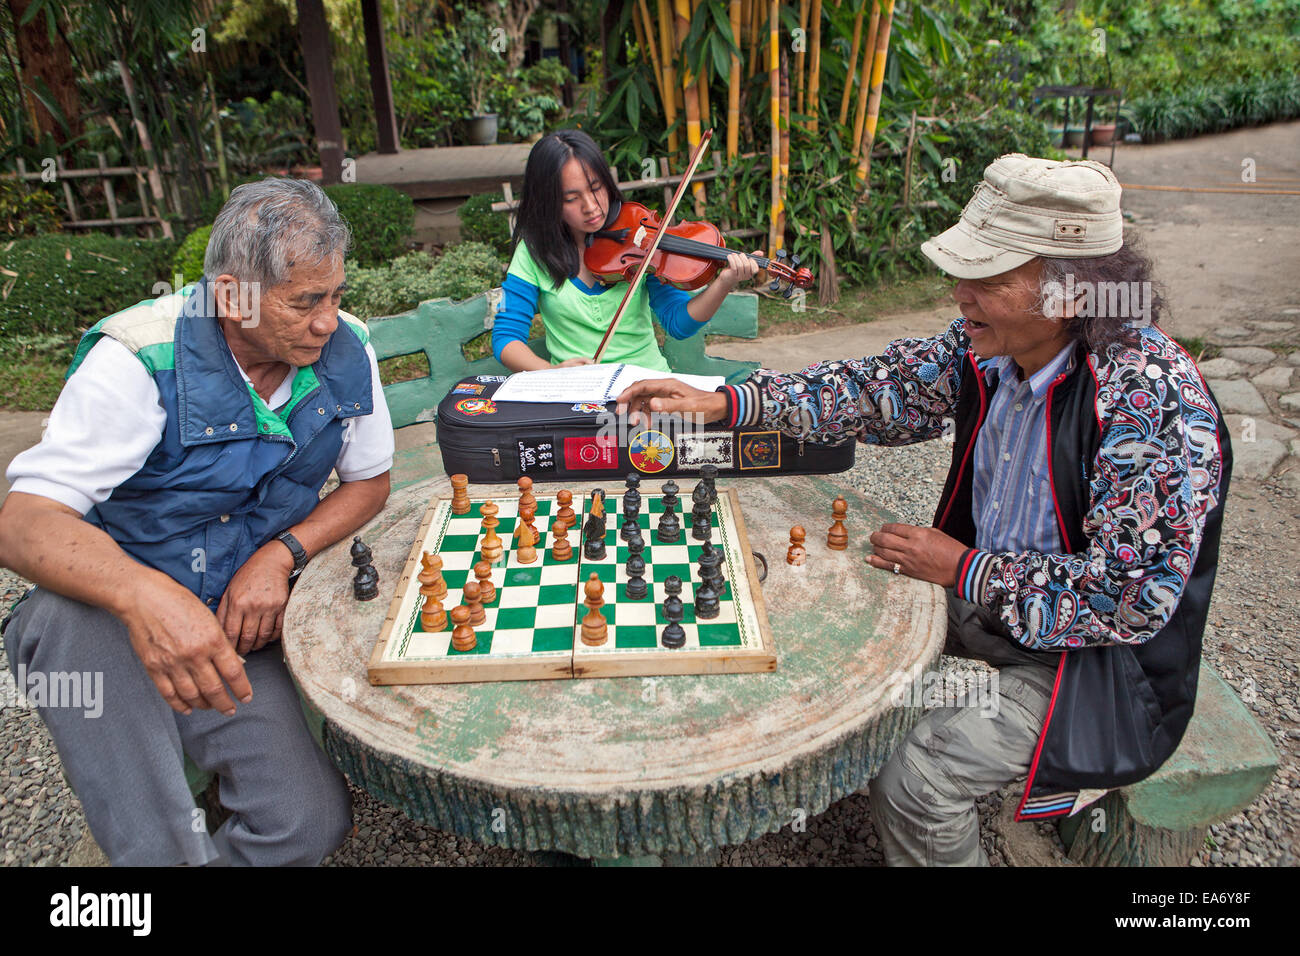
(665, 172)
(67, 191)
(313, 31)
(372, 18)
(110, 197)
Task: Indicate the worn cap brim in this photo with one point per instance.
(960, 254)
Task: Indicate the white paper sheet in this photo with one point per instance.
(589, 383)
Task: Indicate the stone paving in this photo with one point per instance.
(1256, 378)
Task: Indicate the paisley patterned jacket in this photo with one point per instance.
(1139, 469)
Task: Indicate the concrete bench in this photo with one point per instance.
(1223, 764)
(440, 329)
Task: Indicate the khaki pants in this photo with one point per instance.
(923, 800)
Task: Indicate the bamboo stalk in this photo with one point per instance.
(755, 17)
(775, 238)
(815, 67)
(667, 46)
(785, 138)
(682, 23)
(802, 56)
(851, 65)
(733, 84)
(702, 89)
(907, 162)
(646, 37)
(864, 81)
(877, 88)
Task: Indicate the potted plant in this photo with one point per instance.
(478, 74)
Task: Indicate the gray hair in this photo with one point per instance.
(268, 226)
(1123, 277)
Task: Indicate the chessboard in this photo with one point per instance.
(532, 628)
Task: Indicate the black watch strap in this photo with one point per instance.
(296, 549)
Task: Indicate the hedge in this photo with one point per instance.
(381, 217)
(459, 273)
(66, 283)
(188, 261)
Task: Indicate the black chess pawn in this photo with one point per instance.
(707, 605)
(670, 527)
(674, 635)
(361, 555)
(709, 477)
(672, 585)
(632, 481)
(711, 567)
(636, 588)
(631, 511)
(701, 509)
(365, 586)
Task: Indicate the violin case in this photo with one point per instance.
(492, 441)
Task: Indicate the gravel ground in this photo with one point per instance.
(1251, 641)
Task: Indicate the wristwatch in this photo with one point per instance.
(296, 549)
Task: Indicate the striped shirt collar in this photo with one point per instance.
(1004, 366)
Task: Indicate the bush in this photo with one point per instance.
(67, 283)
(1213, 107)
(459, 273)
(188, 262)
(381, 219)
(478, 223)
(976, 142)
(27, 213)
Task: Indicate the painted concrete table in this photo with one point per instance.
(631, 768)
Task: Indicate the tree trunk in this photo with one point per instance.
(50, 63)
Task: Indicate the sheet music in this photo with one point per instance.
(589, 383)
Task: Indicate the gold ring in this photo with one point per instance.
(897, 567)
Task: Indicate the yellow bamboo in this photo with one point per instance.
(815, 67)
(666, 48)
(801, 56)
(702, 89)
(682, 23)
(877, 87)
(645, 38)
(851, 65)
(733, 84)
(864, 82)
(755, 17)
(785, 139)
(775, 239)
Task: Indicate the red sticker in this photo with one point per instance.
(590, 454)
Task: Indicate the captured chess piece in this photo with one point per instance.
(474, 601)
(674, 635)
(636, 588)
(483, 572)
(460, 504)
(565, 501)
(526, 553)
(701, 513)
(797, 552)
(462, 635)
(670, 528)
(561, 550)
(837, 539)
(595, 631)
(593, 532)
(365, 586)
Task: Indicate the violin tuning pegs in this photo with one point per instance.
(776, 284)
(780, 255)
(794, 261)
(789, 290)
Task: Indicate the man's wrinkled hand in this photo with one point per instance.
(184, 651)
(251, 611)
(923, 553)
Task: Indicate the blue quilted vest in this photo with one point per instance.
(229, 473)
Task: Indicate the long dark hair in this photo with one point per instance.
(538, 221)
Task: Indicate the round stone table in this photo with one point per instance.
(632, 768)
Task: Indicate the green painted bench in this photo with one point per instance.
(1223, 764)
(441, 329)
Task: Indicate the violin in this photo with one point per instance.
(689, 254)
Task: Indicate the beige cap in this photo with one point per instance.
(1028, 207)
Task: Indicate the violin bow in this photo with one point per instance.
(654, 243)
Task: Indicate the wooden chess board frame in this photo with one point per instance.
(579, 660)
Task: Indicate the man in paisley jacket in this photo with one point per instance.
(1078, 532)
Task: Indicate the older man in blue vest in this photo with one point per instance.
(163, 517)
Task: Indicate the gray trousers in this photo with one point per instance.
(289, 805)
(923, 800)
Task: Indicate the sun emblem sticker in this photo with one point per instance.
(476, 406)
(650, 451)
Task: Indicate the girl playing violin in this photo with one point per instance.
(568, 194)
